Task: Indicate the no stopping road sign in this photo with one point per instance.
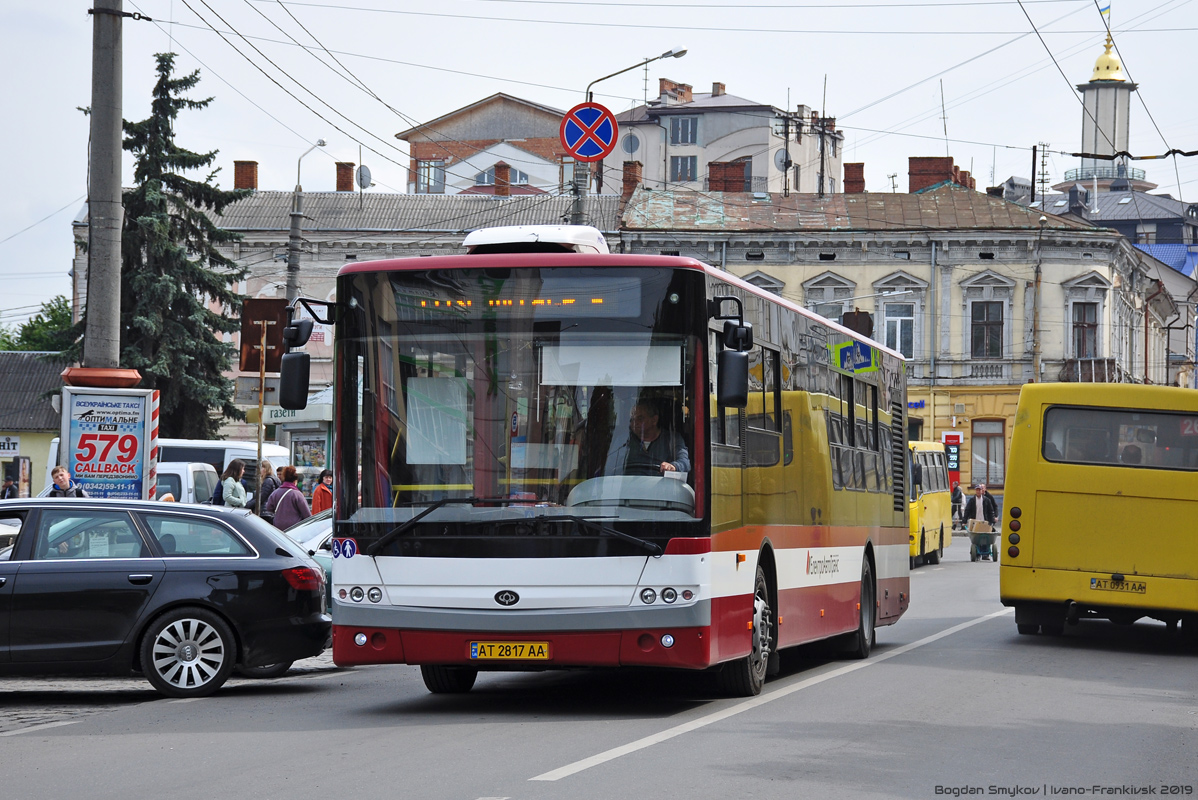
(588, 132)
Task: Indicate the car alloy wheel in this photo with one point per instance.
(188, 652)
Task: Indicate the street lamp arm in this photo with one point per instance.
(677, 52)
(319, 143)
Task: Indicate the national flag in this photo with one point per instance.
(1105, 10)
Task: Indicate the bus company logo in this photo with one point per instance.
(827, 565)
(507, 598)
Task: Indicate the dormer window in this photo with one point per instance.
(487, 178)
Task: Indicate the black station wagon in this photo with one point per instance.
(182, 594)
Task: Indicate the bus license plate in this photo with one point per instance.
(1103, 584)
(509, 651)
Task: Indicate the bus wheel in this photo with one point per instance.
(745, 676)
(440, 679)
(863, 640)
(935, 553)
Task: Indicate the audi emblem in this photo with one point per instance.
(507, 598)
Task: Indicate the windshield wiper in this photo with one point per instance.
(590, 524)
(403, 528)
(585, 522)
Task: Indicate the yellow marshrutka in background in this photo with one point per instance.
(930, 498)
(1100, 516)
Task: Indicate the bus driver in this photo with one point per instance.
(649, 449)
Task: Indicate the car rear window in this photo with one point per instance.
(180, 535)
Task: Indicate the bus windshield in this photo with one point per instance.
(567, 391)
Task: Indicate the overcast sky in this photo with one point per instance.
(883, 63)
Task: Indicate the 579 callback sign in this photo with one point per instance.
(111, 440)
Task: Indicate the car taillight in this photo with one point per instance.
(304, 579)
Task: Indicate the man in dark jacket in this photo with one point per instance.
(989, 509)
(9, 491)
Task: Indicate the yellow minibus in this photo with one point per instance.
(930, 502)
(1099, 515)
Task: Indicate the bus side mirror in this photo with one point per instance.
(297, 332)
(293, 380)
(733, 388)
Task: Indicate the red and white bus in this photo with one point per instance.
(572, 458)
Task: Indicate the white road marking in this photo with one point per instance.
(751, 703)
(41, 727)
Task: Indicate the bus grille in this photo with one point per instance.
(898, 454)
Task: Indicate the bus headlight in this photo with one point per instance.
(360, 639)
(375, 594)
(356, 594)
(668, 595)
(667, 640)
(648, 596)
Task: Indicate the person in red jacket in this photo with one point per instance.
(322, 495)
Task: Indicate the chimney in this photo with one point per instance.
(1079, 201)
(672, 92)
(854, 178)
(503, 179)
(925, 171)
(245, 174)
(726, 176)
(718, 90)
(633, 172)
(345, 176)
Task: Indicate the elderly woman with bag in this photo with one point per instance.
(287, 504)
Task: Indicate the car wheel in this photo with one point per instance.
(744, 677)
(268, 671)
(188, 652)
(441, 679)
(862, 642)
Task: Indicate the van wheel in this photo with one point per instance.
(442, 679)
(744, 677)
(268, 671)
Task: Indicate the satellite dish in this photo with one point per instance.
(363, 177)
(782, 160)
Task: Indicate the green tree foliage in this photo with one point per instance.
(51, 330)
(173, 274)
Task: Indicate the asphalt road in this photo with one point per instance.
(952, 700)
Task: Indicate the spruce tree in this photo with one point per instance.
(172, 274)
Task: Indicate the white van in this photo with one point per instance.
(218, 453)
(187, 483)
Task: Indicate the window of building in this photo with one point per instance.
(1085, 330)
(989, 455)
(986, 331)
(683, 168)
(748, 162)
(430, 177)
(900, 327)
(684, 130)
(831, 186)
(487, 178)
(798, 177)
(1146, 233)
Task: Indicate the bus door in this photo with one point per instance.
(727, 426)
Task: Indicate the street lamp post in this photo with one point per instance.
(581, 168)
(297, 217)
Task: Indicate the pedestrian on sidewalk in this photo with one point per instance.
(9, 491)
(287, 503)
(234, 494)
(270, 482)
(322, 495)
(63, 485)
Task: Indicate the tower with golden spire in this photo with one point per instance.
(1106, 127)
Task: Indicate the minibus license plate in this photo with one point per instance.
(1136, 587)
(509, 651)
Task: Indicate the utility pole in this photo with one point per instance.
(295, 239)
(1044, 180)
(893, 182)
(579, 188)
(1036, 302)
(786, 158)
(102, 339)
(822, 122)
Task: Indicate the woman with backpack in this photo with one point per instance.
(287, 503)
